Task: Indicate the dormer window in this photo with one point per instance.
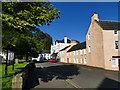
(116, 32)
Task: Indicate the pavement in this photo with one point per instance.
(62, 75)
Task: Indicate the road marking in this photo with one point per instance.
(74, 84)
(70, 82)
(41, 66)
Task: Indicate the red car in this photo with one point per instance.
(51, 60)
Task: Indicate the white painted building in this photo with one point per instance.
(3, 54)
(45, 55)
(10, 55)
(59, 45)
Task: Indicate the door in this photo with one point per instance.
(67, 60)
(119, 64)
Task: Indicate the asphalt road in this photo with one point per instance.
(61, 75)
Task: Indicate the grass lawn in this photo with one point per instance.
(7, 79)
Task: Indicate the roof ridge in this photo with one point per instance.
(109, 21)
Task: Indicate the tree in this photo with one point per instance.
(22, 16)
(19, 21)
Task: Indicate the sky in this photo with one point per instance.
(75, 18)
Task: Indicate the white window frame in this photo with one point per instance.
(89, 48)
(81, 60)
(69, 59)
(67, 53)
(63, 59)
(88, 36)
(74, 60)
(80, 51)
(84, 51)
(118, 44)
(85, 60)
(115, 33)
(70, 53)
(74, 52)
(77, 61)
(115, 62)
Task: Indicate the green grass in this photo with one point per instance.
(7, 79)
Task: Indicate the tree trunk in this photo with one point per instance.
(27, 58)
(13, 65)
(6, 64)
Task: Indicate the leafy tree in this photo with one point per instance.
(25, 15)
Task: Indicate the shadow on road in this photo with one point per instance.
(109, 83)
(48, 73)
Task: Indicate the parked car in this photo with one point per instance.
(52, 60)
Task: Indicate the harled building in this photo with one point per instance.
(102, 46)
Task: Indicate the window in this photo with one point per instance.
(63, 59)
(80, 51)
(70, 53)
(77, 60)
(81, 60)
(69, 59)
(115, 32)
(62, 52)
(116, 45)
(67, 54)
(85, 61)
(84, 51)
(89, 49)
(74, 52)
(89, 36)
(114, 62)
(74, 60)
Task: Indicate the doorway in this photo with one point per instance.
(119, 64)
(67, 60)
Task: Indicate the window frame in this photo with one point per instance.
(81, 51)
(85, 60)
(115, 45)
(84, 51)
(77, 52)
(89, 49)
(115, 33)
(74, 60)
(74, 52)
(67, 53)
(88, 36)
(81, 60)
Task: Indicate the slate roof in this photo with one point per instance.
(62, 41)
(109, 25)
(65, 48)
(10, 47)
(54, 54)
(78, 46)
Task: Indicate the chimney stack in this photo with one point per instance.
(73, 42)
(94, 16)
(65, 39)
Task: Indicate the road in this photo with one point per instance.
(61, 75)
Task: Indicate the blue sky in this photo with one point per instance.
(75, 18)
